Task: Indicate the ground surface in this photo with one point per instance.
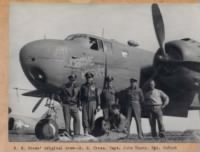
(187, 136)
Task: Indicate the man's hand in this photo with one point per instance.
(98, 108)
(80, 108)
(163, 106)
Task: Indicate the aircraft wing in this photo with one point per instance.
(180, 103)
(35, 93)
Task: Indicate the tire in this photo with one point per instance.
(46, 129)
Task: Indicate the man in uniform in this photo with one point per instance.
(89, 103)
(135, 100)
(114, 129)
(155, 101)
(118, 122)
(108, 98)
(69, 100)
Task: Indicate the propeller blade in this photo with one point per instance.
(37, 105)
(159, 27)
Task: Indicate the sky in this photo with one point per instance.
(29, 22)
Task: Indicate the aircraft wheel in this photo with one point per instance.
(46, 129)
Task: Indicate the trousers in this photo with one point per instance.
(88, 116)
(71, 111)
(107, 112)
(156, 117)
(135, 108)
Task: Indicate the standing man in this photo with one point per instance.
(108, 98)
(135, 100)
(69, 100)
(155, 101)
(89, 103)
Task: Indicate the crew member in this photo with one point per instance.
(155, 101)
(118, 122)
(135, 100)
(108, 97)
(69, 100)
(89, 103)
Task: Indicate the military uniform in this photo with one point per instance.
(89, 100)
(154, 100)
(108, 98)
(69, 96)
(135, 98)
(118, 123)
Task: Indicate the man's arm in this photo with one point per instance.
(116, 98)
(122, 125)
(77, 96)
(165, 99)
(79, 99)
(141, 97)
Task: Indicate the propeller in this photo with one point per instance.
(37, 105)
(160, 35)
(162, 58)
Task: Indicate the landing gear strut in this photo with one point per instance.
(47, 128)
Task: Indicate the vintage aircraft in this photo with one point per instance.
(175, 66)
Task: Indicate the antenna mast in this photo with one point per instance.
(102, 33)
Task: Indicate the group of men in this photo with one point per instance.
(89, 99)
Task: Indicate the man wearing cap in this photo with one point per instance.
(69, 100)
(89, 103)
(155, 101)
(135, 100)
(108, 97)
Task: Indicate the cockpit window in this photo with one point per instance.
(87, 41)
(75, 37)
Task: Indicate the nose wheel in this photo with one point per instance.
(47, 128)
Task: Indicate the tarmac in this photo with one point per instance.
(192, 136)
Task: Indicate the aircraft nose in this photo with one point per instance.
(42, 59)
(27, 56)
(29, 61)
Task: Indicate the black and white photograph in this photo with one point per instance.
(104, 73)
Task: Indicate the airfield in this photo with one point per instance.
(23, 134)
(171, 137)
